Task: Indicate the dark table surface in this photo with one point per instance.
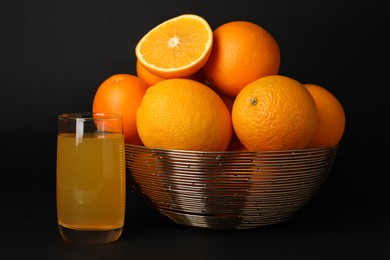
(347, 219)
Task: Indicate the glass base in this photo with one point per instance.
(86, 237)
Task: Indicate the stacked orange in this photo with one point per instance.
(220, 90)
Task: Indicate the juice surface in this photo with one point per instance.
(90, 186)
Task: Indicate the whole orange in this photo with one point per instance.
(121, 94)
(331, 118)
(184, 114)
(242, 52)
(274, 113)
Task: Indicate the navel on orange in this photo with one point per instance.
(331, 118)
(183, 114)
(274, 113)
(121, 94)
(178, 47)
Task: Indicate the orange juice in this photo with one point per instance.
(90, 186)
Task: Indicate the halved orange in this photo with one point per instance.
(178, 47)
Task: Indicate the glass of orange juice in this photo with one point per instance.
(90, 181)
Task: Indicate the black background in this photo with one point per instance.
(54, 55)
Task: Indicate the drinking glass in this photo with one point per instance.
(90, 177)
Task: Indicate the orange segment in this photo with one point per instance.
(178, 47)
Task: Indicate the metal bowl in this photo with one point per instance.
(227, 190)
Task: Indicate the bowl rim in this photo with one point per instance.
(289, 151)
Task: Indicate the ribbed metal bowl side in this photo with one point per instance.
(227, 190)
